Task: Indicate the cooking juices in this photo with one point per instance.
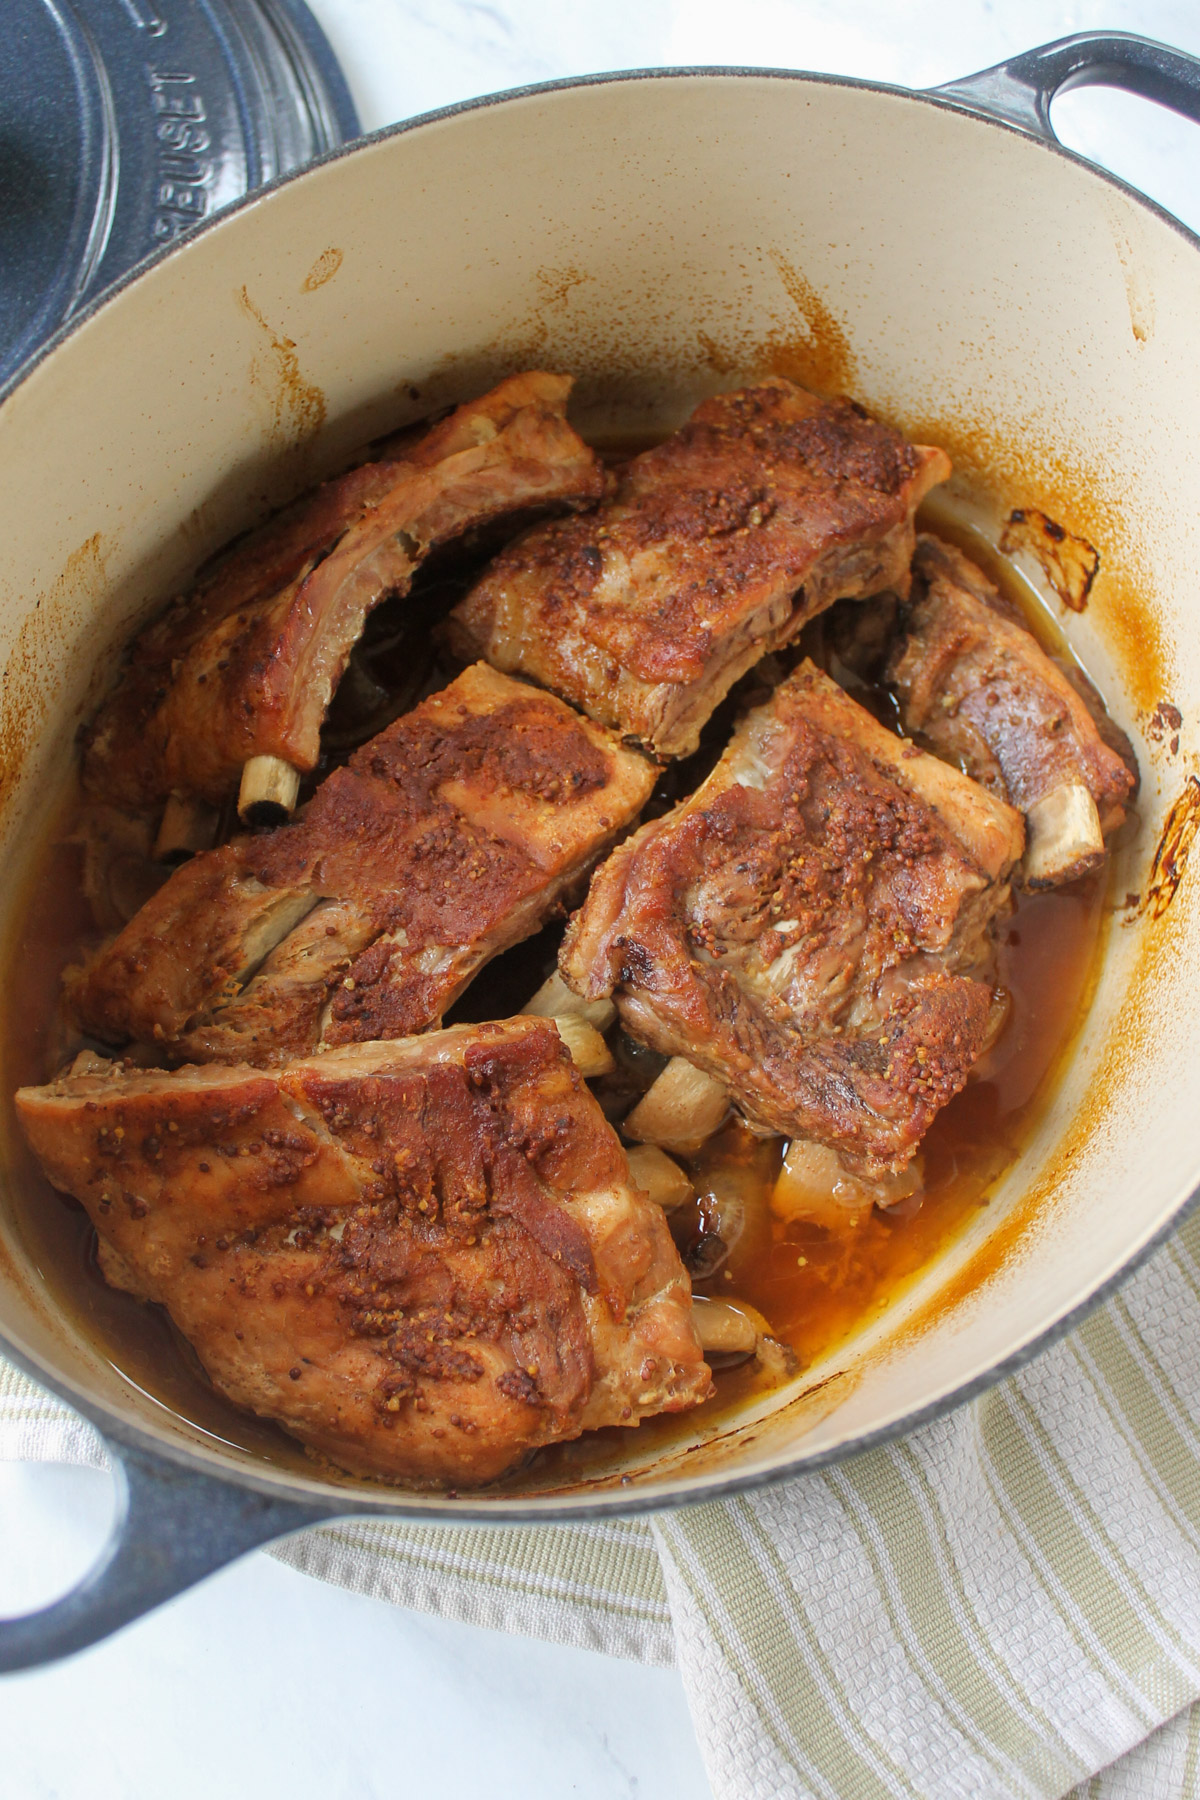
(814, 1283)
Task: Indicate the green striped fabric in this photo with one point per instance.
(1005, 1604)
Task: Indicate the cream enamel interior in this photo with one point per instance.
(663, 238)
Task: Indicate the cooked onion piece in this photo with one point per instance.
(659, 1176)
(589, 1052)
(814, 1184)
(723, 1327)
(681, 1109)
(554, 1000)
(732, 1331)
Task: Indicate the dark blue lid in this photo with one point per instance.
(125, 122)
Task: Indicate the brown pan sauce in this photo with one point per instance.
(814, 1285)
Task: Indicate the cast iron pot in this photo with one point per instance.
(662, 235)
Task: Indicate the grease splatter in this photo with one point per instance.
(820, 356)
(323, 270)
(1002, 465)
(1139, 296)
(295, 407)
(32, 677)
(1069, 563)
(555, 286)
(1174, 848)
(1166, 720)
(720, 360)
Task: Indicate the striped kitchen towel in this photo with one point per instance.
(1005, 1604)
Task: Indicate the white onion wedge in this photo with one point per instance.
(682, 1108)
(589, 1052)
(660, 1178)
(555, 1000)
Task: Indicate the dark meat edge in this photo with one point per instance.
(136, 751)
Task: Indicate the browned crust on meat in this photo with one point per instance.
(423, 1259)
(456, 832)
(807, 927)
(246, 664)
(974, 682)
(716, 546)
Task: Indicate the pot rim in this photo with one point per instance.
(475, 1507)
(608, 1501)
(933, 97)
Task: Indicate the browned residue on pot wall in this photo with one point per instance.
(1165, 722)
(295, 407)
(819, 355)
(1139, 293)
(1121, 1055)
(323, 270)
(29, 685)
(1019, 468)
(629, 362)
(555, 286)
(811, 347)
(1069, 563)
(1174, 848)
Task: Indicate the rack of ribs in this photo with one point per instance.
(245, 665)
(424, 1259)
(973, 682)
(455, 833)
(715, 547)
(811, 926)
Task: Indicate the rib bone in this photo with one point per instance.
(246, 664)
(1065, 839)
(269, 791)
(187, 826)
(453, 834)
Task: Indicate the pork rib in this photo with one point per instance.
(808, 927)
(974, 683)
(424, 1259)
(453, 834)
(716, 547)
(246, 664)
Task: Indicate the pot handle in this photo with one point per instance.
(173, 1527)
(1020, 91)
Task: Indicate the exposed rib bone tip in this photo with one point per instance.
(269, 791)
(682, 1108)
(1065, 838)
(187, 826)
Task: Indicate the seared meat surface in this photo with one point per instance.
(716, 546)
(423, 1251)
(424, 1259)
(973, 682)
(456, 832)
(246, 664)
(810, 926)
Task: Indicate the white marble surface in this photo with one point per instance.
(262, 1682)
(266, 1685)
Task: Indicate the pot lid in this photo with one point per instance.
(125, 122)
